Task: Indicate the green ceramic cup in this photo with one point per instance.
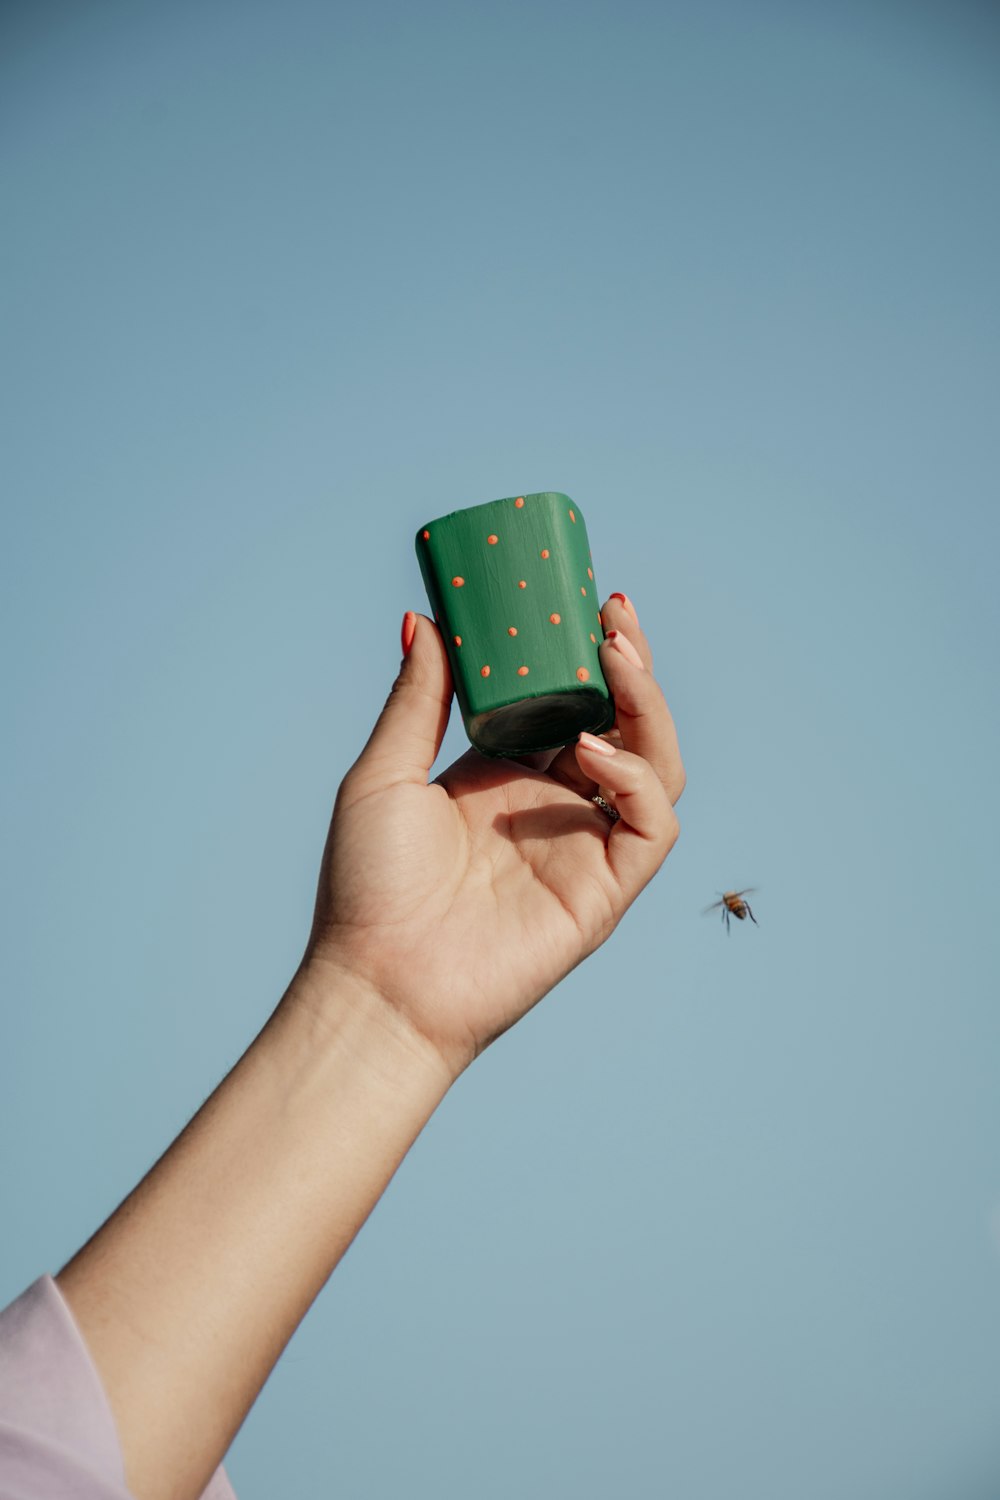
(511, 585)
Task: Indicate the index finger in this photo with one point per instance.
(643, 719)
(644, 724)
(620, 614)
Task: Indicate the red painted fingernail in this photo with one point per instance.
(624, 646)
(628, 605)
(591, 742)
(408, 631)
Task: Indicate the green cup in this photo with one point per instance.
(511, 585)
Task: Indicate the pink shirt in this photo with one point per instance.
(57, 1432)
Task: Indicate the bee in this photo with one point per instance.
(733, 904)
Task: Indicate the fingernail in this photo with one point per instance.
(591, 742)
(628, 605)
(622, 644)
(408, 631)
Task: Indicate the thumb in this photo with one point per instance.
(408, 732)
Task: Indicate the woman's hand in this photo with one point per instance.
(443, 913)
(462, 902)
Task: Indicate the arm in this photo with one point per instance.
(444, 912)
(189, 1293)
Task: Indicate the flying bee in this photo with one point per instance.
(733, 904)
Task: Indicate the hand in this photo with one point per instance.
(443, 913)
(461, 903)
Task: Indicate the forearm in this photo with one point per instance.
(190, 1291)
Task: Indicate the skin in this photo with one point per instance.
(444, 912)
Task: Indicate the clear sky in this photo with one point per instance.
(281, 281)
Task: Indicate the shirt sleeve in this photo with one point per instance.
(57, 1430)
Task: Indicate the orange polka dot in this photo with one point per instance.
(458, 640)
(519, 502)
(583, 590)
(427, 536)
(512, 630)
(458, 582)
(522, 671)
(590, 574)
(492, 540)
(521, 583)
(572, 517)
(582, 673)
(545, 551)
(484, 671)
(593, 637)
(555, 619)
(600, 620)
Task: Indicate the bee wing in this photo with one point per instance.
(714, 907)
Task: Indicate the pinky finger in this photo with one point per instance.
(647, 828)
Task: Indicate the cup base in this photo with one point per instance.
(543, 723)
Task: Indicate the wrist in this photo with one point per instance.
(337, 1012)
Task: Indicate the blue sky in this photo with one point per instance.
(280, 282)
